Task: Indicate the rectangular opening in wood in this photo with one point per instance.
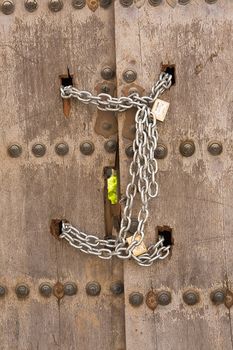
(166, 233)
(66, 79)
(170, 69)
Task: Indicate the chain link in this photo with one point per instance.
(143, 169)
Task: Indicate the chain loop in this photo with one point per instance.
(143, 169)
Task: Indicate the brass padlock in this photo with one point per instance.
(140, 249)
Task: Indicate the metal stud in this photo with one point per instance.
(136, 299)
(117, 288)
(161, 151)
(110, 146)
(187, 148)
(129, 151)
(215, 148)
(129, 76)
(8, 7)
(164, 297)
(31, 5)
(62, 149)
(191, 297)
(22, 291)
(218, 296)
(105, 89)
(70, 288)
(87, 148)
(126, 3)
(78, 4)
(38, 150)
(105, 3)
(93, 288)
(155, 2)
(2, 291)
(107, 73)
(14, 151)
(55, 5)
(45, 290)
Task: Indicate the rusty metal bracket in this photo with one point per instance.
(151, 300)
(58, 290)
(228, 299)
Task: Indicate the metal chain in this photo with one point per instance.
(143, 169)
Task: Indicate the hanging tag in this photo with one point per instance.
(140, 249)
(159, 109)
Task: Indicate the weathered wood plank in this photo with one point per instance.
(35, 49)
(194, 197)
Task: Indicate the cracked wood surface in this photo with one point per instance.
(35, 49)
(195, 194)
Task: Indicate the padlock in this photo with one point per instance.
(138, 250)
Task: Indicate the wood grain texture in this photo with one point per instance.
(35, 49)
(195, 193)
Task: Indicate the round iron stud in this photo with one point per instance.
(161, 151)
(183, 2)
(187, 148)
(93, 288)
(8, 7)
(155, 2)
(117, 288)
(110, 146)
(22, 291)
(45, 290)
(14, 151)
(55, 5)
(126, 3)
(62, 149)
(78, 4)
(191, 297)
(129, 151)
(107, 73)
(105, 3)
(136, 299)
(38, 150)
(215, 148)
(87, 148)
(129, 76)
(218, 296)
(164, 298)
(2, 291)
(211, 1)
(31, 5)
(70, 288)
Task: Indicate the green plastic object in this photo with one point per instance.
(112, 188)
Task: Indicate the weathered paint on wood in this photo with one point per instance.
(195, 193)
(35, 49)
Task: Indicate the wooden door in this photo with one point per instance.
(45, 176)
(195, 192)
(54, 157)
